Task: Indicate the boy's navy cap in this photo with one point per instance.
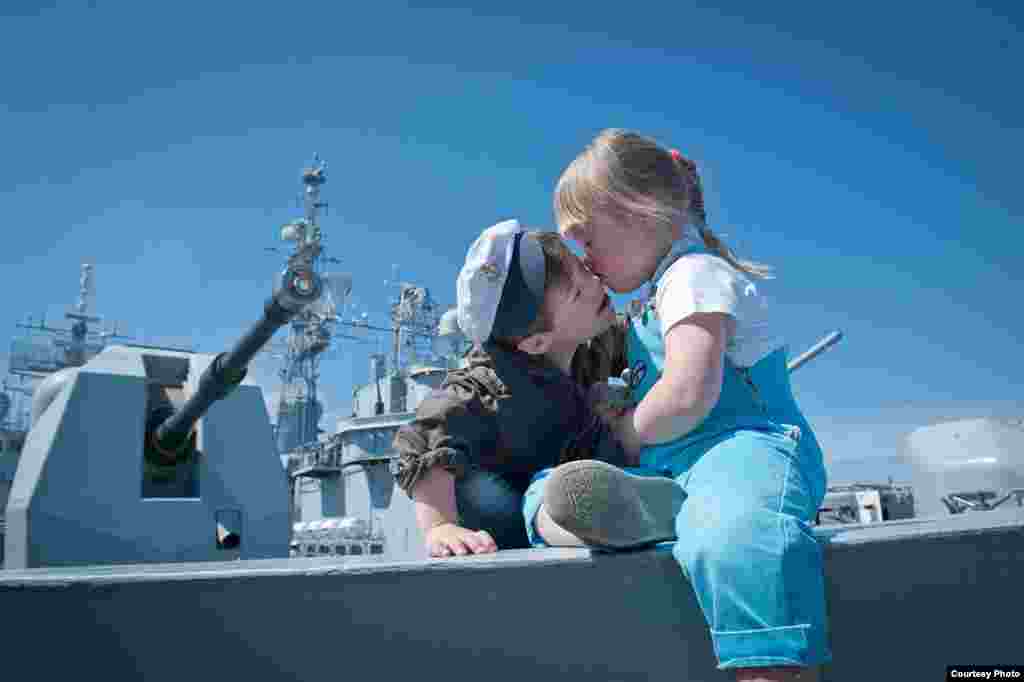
(501, 285)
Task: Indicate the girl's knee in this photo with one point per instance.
(712, 532)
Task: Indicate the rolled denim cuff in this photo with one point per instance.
(792, 645)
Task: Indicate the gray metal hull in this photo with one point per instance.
(905, 600)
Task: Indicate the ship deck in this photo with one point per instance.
(905, 598)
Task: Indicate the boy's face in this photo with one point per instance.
(580, 309)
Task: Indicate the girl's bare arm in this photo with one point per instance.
(688, 388)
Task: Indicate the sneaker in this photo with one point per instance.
(608, 508)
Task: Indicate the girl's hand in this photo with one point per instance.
(447, 539)
(606, 402)
(625, 432)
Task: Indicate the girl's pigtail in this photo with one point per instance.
(695, 192)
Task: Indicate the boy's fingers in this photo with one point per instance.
(488, 540)
(462, 543)
(474, 543)
(482, 542)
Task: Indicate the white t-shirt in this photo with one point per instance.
(705, 283)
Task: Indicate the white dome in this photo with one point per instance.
(966, 456)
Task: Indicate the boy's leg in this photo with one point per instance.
(553, 534)
(755, 566)
(488, 502)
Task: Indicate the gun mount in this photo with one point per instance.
(169, 434)
(147, 454)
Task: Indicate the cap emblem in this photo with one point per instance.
(490, 271)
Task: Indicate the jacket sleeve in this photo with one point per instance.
(453, 425)
(603, 357)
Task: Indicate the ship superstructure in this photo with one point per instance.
(42, 349)
(340, 482)
(311, 332)
(43, 352)
(344, 480)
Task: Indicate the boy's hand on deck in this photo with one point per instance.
(447, 539)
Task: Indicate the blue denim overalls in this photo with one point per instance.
(754, 479)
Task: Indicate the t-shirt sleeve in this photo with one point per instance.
(698, 283)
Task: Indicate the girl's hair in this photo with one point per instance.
(557, 274)
(627, 175)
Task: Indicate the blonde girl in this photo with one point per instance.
(715, 413)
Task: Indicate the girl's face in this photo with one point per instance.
(623, 252)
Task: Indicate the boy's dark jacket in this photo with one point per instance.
(508, 413)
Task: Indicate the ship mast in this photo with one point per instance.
(311, 332)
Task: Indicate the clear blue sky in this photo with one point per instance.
(870, 151)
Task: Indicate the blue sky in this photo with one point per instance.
(870, 151)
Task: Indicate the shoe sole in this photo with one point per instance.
(608, 508)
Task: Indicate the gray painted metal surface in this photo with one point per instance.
(77, 497)
(368, 491)
(905, 600)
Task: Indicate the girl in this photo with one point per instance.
(715, 413)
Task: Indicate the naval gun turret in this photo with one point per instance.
(146, 454)
(170, 437)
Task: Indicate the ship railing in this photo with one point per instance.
(980, 500)
(13, 431)
(320, 538)
(851, 506)
(315, 459)
(336, 547)
(41, 356)
(326, 459)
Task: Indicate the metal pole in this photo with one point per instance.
(815, 350)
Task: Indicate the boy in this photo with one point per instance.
(544, 331)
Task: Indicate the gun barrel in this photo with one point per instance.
(815, 350)
(227, 370)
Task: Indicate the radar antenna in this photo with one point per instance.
(312, 331)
